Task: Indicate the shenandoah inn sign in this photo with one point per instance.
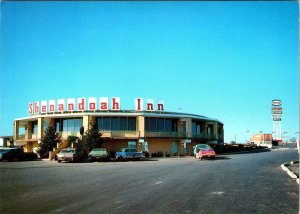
(90, 104)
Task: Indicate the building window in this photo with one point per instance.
(34, 127)
(131, 124)
(116, 123)
(196, 127)
(68, 125)
(153, 124)
(160, 125)
(105, 123)
(45, 125)
(58, 125)
(168, 125)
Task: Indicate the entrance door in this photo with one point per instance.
(131, 144)
(145, 146)
(174, 148)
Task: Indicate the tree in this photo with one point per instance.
(92, 138)
(48, 142)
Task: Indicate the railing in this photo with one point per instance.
(33, 137)
(120, 134)
(212, 136)
(56, 150)
(21, 137)
(65, 135)
(166, 134)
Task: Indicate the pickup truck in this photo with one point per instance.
(127, 153)
(10, 154)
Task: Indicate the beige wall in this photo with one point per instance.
(115, 145)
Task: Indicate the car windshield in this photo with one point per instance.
(99, 150)
(203, 146)
(68, 151)
(130, 150)
(4, 150)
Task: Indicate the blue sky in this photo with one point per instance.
(225, 60)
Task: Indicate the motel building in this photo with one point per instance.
(148, 127)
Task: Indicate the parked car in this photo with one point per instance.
(70, 154)
(204, 151)
(127, 153)
(99, 154)
(3, 150)
(10, 154)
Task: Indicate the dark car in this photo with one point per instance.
(10, 154)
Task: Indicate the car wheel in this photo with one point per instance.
(58, 161)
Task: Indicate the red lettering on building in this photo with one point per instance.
(115, 104)
(61, 107)
(160, 107)
(92, 106)
(138, 108)
(30, 109)
(70, 106)
(81, 105)
(51, 108)
(44, 109)
(103, 106)
(36, 108)
(149, 106)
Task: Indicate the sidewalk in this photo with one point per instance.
(292, 169)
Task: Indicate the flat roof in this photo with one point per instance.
(119, 113)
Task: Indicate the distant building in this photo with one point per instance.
(262, 140)
(6, 141)
(149, 129)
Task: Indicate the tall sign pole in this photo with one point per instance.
(277, 116)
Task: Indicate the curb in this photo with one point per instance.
(243, 152)
(289, 172)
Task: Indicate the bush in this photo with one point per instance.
(160, 154)
(154, 155)
(146, 154)
(112, 154)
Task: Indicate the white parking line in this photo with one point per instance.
(158, 183)
(120, 207)
(217, 193)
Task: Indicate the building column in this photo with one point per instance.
(215, 130)
(40, 128)
(141, 126)
(16, 130)
(28, 130)
(86, 122)
(188, 127)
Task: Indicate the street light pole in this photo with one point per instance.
(297, 142)
(285, 138)
(248, 137)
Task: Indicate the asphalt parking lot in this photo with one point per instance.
(241, 183)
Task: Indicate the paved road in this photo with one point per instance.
(241, 183)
